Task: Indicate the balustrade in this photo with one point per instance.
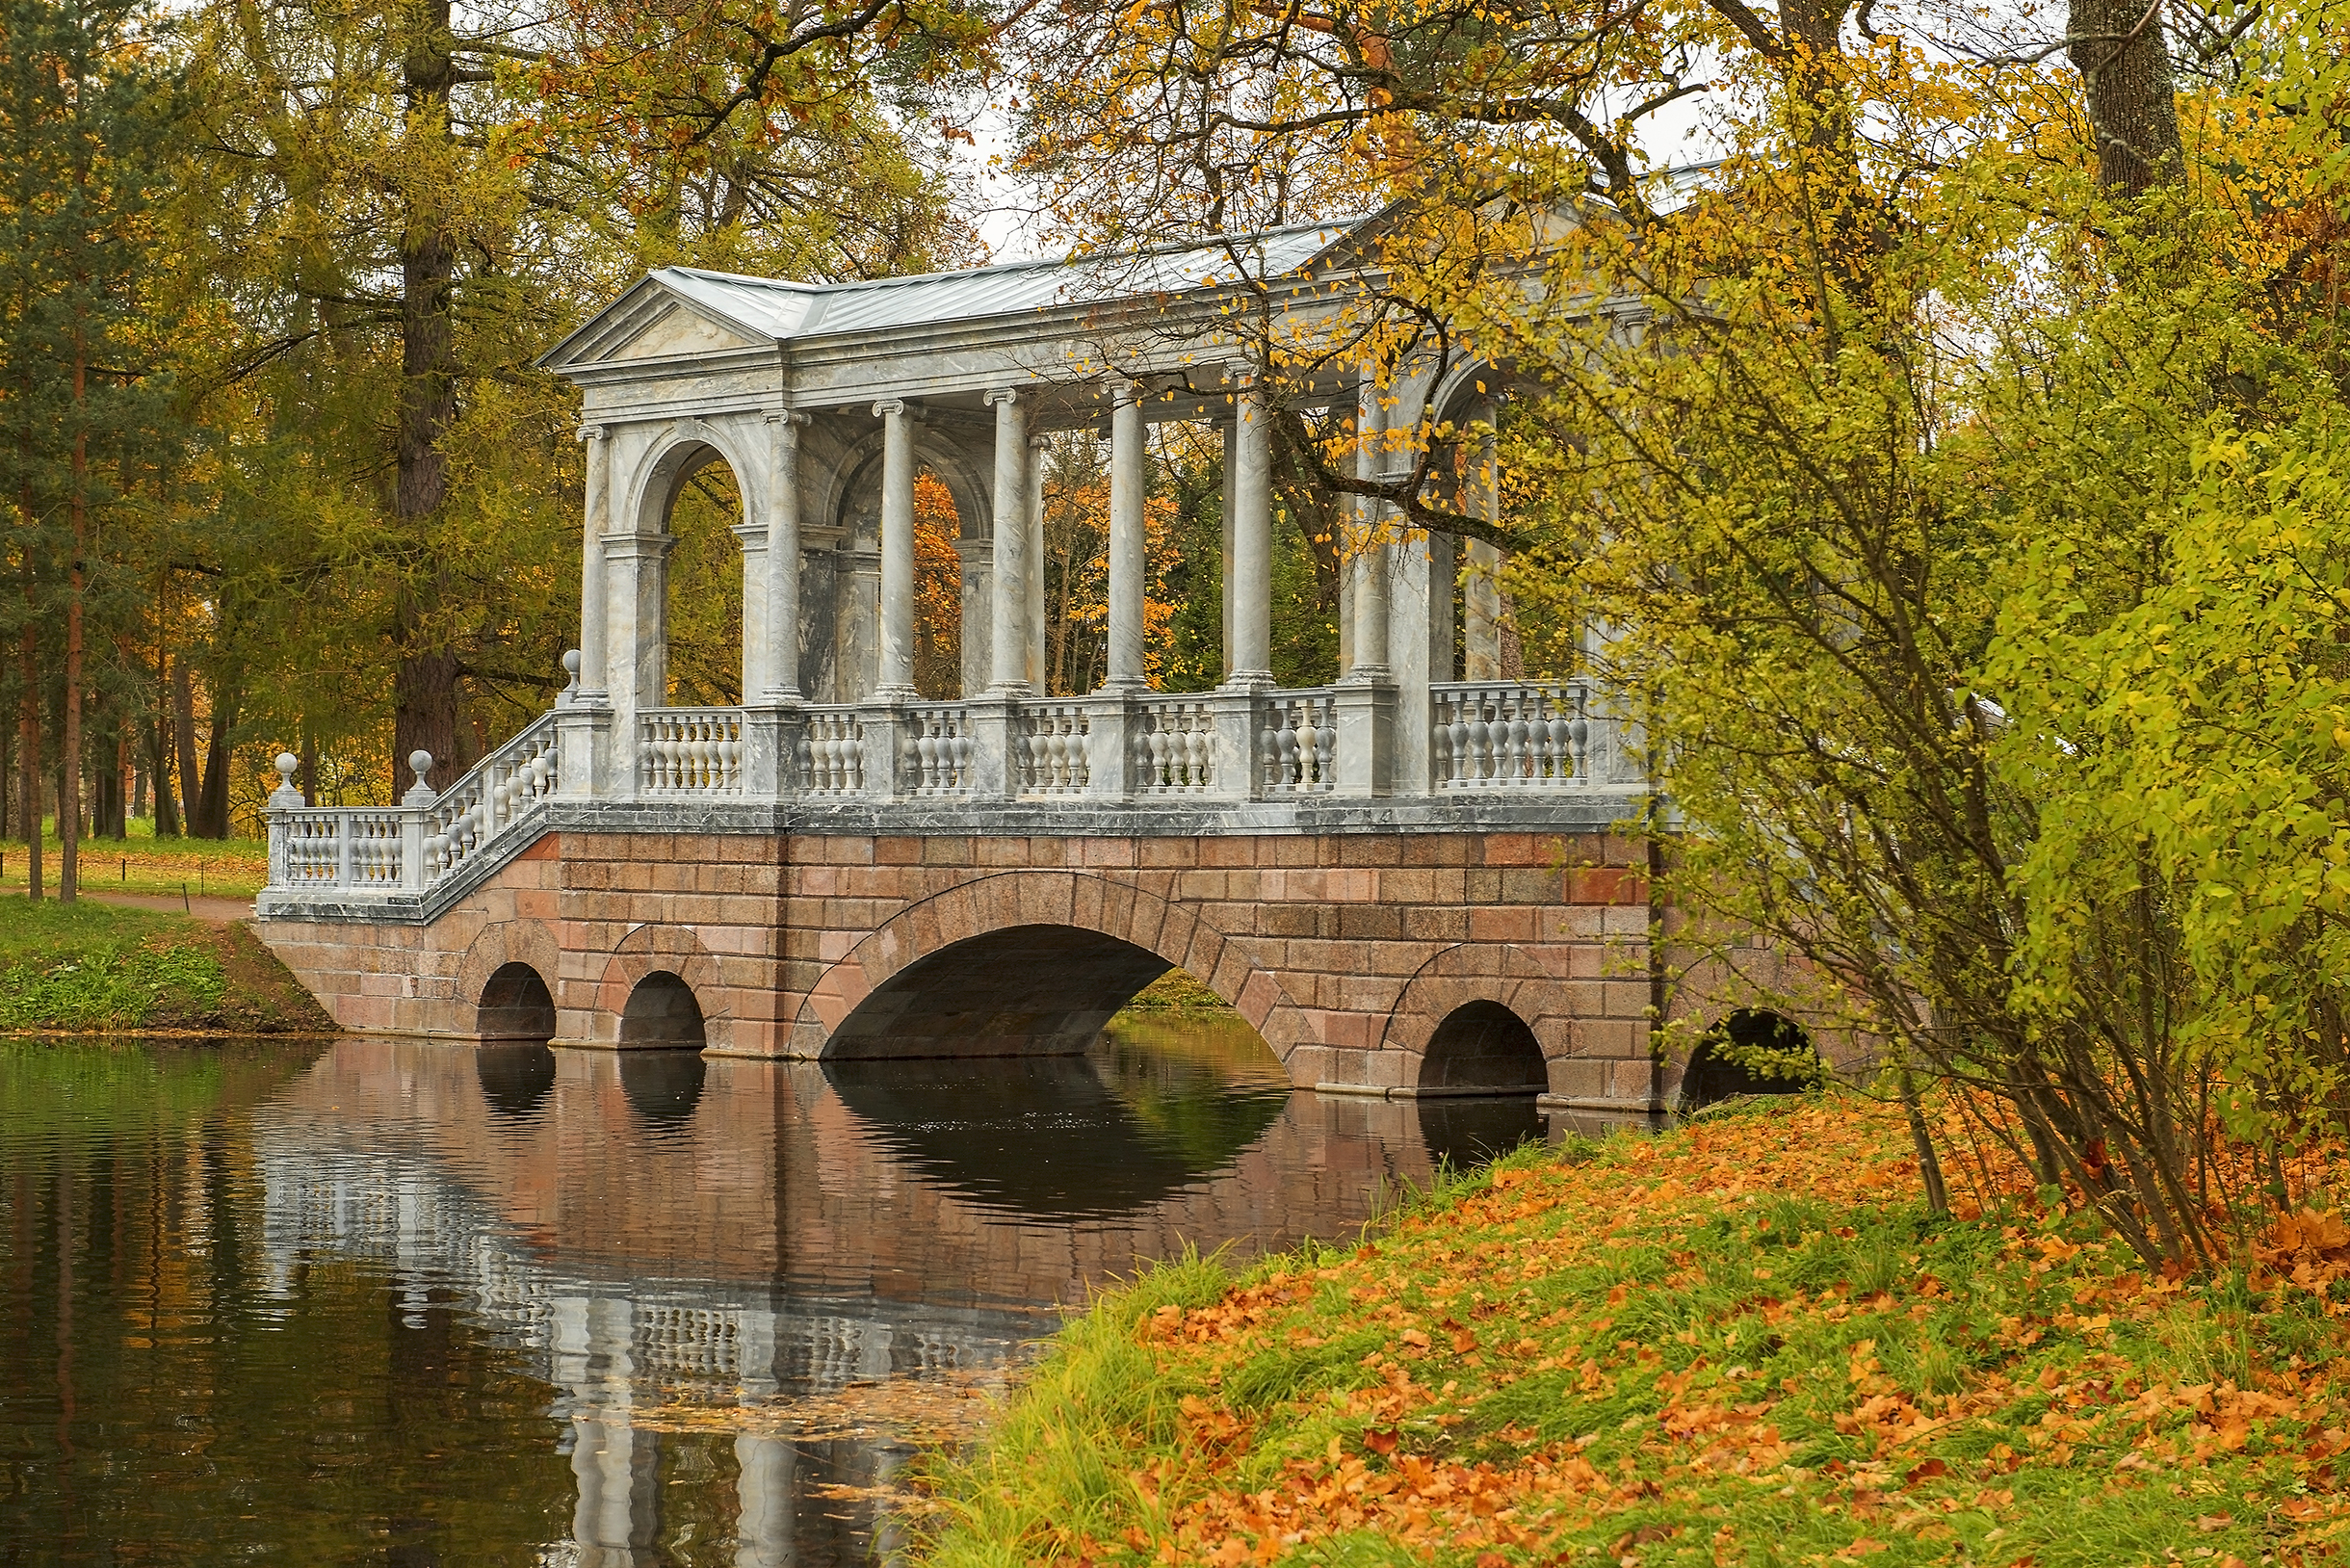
(689, 751)
(1298, 744)
(1050, 745)
(832, 752)
(497, 791)
(1174, 741)
(936, 749)
(1484, 734)
(1507, 735)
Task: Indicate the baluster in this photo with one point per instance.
(1326, 745)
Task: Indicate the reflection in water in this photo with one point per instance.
(1061, 1138)
(1467, 1132)
(409, 1302)
(663, 1086)
(515, 1079)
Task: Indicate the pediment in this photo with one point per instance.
(676, 330)
(654, 323)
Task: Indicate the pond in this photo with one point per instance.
(374, 1301)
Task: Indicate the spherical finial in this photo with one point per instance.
(420, 763)
(287, 762)
(571, 665)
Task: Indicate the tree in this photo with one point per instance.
(80, 129)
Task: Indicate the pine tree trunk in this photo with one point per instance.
(183, 710)
(70, 744)
(208, 813)
(2124, 63)
(423, 685)
(160, 752)
(28, 722)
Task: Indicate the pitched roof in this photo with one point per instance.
(781, 311)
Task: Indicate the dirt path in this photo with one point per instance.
(215, 911)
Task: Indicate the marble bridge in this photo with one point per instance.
(1408, 881)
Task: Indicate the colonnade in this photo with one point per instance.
(624, 581)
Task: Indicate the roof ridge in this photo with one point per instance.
(1025, 264)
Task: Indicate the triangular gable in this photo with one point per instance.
(652, 321)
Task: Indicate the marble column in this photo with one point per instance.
(637, 593)
(1127, 556)
(1033, 508)
(751, 538)
(895, 673)
(1373, 573)
(1480, 592)
(782, 619)
(595, 646)
(1231, 455)
(1250, 480)
(1007, 663)
(976, 570)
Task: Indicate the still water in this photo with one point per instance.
(402, 1303)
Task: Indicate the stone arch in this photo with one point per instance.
(858, 471)
(676, 949)
(503, 944)
(1482, 1045)
(675, 457)
(1496, 974)
(1168, 933)
(663, 1012)
(1707, 1078)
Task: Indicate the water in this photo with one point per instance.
(406, 1303)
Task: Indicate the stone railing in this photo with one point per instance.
(406, 849)
(1297, 743)
(935, 749)
(690, 751)
(1049, 747)
(1175, 746)
(1507, 735)
(831, 752)
(499, 792)
(1329, 744)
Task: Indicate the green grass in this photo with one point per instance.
(95, 966)
(1745, 1342)
(207, 868)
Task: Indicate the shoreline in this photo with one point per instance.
(1742, 1339)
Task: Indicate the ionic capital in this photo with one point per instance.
(1000, 395)
(888, 407)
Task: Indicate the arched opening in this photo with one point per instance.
(1026, 990)
(516, 1078)
(943, 590)
(662, 1013)
(1483, 1047)
(516, 1006)
(663, 1086)
(1751, 1052)
(705, 609)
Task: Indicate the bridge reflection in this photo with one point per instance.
(790, 1269)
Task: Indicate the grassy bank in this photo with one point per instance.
(95, 967)
(1743, 1341)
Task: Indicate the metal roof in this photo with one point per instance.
(788, 311)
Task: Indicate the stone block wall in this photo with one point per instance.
(1345, 950)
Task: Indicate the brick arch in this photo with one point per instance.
(1074, 901)
(519, 941)
(676, 949)
(1497, 972)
